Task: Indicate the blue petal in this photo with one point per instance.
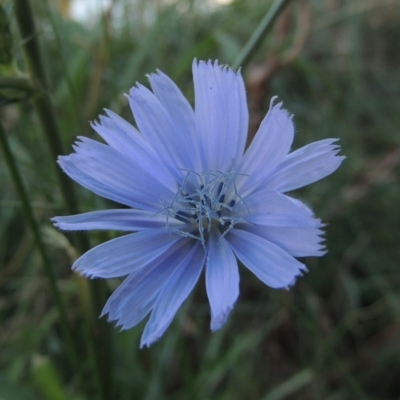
(88, 182)
(222, 279)
(221, 115)
(272, 265)
(305, 165)
(268, 148)
(268, 207)
(282, 220)
(102, 166)
(136, 296)
(124, 255)
(182, 117)
(297, 241)
(159, 129)
(122, 220)
(122, 136)
(173, 294)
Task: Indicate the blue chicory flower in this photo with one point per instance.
(196, 198)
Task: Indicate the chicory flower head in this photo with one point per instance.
(196, 198)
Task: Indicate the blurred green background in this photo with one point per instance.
(336, 334)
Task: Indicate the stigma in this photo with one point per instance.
(203, 202)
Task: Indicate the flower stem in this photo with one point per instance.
(19, 83)
(42, 101)
(99, 331)
(16, 177)
(258, 35)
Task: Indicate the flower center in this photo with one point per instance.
(203, 202)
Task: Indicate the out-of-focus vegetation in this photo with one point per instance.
(336, 334)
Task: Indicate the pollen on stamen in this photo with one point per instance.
(210, 205)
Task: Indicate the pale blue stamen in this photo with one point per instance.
(211, 205)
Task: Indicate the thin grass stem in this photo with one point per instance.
(258, 35)
(98, 330)
(34, 226)
(19, 83)
(71, 89)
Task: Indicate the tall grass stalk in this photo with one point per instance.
(259, 33)
(34, 226)
(99, 344)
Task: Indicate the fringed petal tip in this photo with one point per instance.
(148, 342)
(78, 269)
(301, 273)
(82, 271)
(272, 102)
(137, 86)
(218, 321)
(224, 68)
(321, 248)
(149, 338)
(119, 325)
(274, 105)
(61, 160)
(116, 321)
(56, 223)
(156, 75)
(59, 223)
